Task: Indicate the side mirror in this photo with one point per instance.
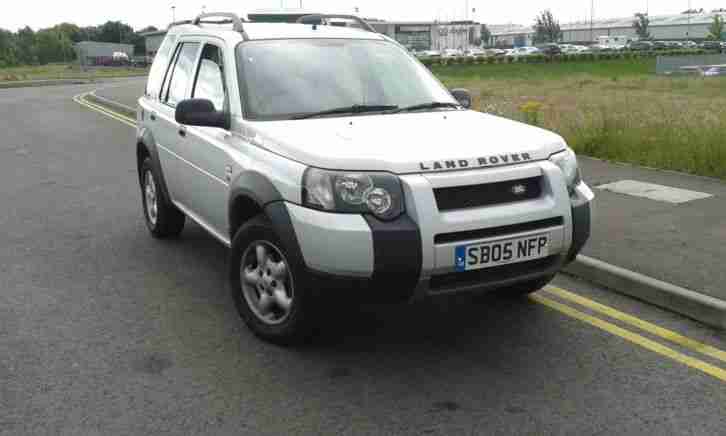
(200, 112)
(463, 96)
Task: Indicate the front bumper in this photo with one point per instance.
(361, 256)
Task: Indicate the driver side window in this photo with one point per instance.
(210, 77)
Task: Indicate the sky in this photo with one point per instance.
(141, 13)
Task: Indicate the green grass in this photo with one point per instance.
(617, 110)
(65, 71)
(544, 71)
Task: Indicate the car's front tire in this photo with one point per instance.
(268, 286)
(162, 218)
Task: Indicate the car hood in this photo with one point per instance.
(405, 143)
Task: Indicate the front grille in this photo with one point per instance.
(489, 194)
(491, 232)
(486, 276)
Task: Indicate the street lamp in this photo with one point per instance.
(592, 20)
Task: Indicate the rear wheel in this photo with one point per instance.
(162, 218)
(267, 285)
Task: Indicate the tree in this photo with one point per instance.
(642, 25)
(25, 40)
(53, 46)
(8, 50)
(546, 28)
(115, 31)
(69, 30)
(716, 30)
(486, 35)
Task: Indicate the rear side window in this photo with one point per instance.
(182, 73)
(210, 78)
(159, 67)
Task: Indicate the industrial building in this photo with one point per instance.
(694, 27)
(152, 42)
(91, 53)
(429, 35)
(432, 35)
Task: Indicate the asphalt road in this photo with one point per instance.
(104, 330)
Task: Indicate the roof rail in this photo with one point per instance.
(179, 23)
(228, 18)
(323, 19)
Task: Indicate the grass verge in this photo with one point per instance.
(616, 110)
(66, 71)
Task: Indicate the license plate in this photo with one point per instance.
(489, 254)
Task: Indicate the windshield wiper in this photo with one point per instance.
(354, 109)
(432, 105)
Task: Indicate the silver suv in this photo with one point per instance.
(331, 162)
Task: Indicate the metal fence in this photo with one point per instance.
(669, 65)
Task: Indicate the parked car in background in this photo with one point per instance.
(549, 49)
(495, 52)
(689, 44)
(523, 51)
(711, 45)
(640, 46)
(475, 52)
(429, 54)
(120, 58)
(660, 45)
(452, 53)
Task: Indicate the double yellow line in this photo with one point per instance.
(635, 338)
(544, 298)
(81, 99)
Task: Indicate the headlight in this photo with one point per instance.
(379, 194)
(567, 162)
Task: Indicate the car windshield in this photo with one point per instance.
(285, 79)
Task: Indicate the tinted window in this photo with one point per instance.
(210, 78)
(182, 73)
(284, 78)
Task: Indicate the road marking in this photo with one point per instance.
(652, 191)
(664, 333)
(635, 338)
(118, 117)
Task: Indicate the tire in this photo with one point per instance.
(525, 288)
(162, 218)
(273, 302)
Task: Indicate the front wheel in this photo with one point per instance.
(268, 287)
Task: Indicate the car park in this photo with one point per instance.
(640, 46)
(711, 45)
(523, 51)
(452, 53)
(475, 52)
(549, 49)
(347, 194)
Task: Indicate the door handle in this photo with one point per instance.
(153, 116)
(182, 131)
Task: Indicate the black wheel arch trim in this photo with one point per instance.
(581, 225)
(255, 187)
(147, 141)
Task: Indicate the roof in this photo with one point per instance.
(612, 23)
(260, 31)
